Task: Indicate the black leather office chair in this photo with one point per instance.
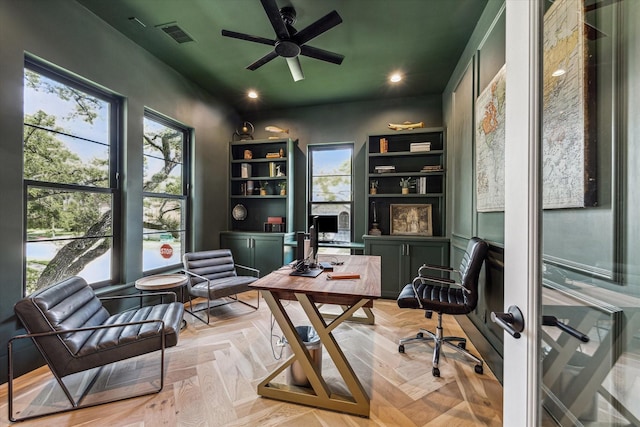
(446, 296)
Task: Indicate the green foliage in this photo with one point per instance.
(65, 212)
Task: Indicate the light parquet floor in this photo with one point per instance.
(213, 373)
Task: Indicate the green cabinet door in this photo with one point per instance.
(401, 257)
(268, 252)
(391, 264)
(424, 252)
(263, 251)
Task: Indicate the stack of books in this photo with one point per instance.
(421, 185)
(431, 168)
(385, 169)
(384, 145)
(419, 146)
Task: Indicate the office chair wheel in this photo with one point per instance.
(419, 335)
(462, 345)
(401, 348)
(478, 369)
(435, 372)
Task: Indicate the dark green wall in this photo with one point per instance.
(68, 36)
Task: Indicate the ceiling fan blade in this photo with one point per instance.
(260, 62)
(295, 68)
(273, 13)
(248, 37)
(323, 24)
(321, 54)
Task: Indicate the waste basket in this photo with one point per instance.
(311, 341)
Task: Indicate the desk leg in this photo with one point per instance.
(318, 395)
(368, 319)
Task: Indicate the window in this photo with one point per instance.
(331, 185)
(165, 189)
(70, 179)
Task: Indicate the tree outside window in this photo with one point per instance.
(330, 185)
(69, 180)
(164, 193)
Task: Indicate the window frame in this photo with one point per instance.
(115, 164)
(329, 146)
(185, 197)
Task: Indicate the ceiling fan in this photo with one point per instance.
(290, 43)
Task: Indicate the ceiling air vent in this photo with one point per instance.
(175, 32)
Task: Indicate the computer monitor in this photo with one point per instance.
(305, 264)
(325, 226)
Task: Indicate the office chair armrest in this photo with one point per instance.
(255, 270)
(442, 280)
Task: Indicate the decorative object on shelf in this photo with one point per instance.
(245, 170)
(406, 126)
(276, 129)
(411, 219)
(264, 188)
(375, 231)
(279, 171)
(239, 212)
(281, 152)
(248, 155)
(406, 183)
(244, 132)
(373, 187)
(283, 188)
(250, 187)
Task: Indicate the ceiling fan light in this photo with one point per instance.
(295, 69)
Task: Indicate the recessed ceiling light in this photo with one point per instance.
(395, 77)
(559, 72)
(252, 94)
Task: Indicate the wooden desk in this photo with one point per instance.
(350, 294)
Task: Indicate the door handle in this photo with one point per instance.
(512, 321)
(553, 321)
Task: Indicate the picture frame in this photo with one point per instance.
(411, 219)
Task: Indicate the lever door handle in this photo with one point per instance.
(553, 321)
(512, 321)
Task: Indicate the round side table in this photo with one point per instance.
(159, 282)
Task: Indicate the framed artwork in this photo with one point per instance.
(411, 219)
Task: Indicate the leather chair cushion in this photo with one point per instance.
(442, 299)
(223, 287)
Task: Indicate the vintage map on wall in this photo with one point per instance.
(490, 138)
(566, 165)
(564, 135)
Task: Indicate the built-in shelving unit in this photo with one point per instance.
(257, 164)
(406, 228)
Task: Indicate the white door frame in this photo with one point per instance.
(522, 244)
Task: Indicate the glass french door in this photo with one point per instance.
(572, 254)
(590, 228)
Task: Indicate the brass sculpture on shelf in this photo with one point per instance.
(244, 133)
(406, 126)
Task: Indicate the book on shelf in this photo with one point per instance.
(385, 169)
(431, 168)
(419, 147)
(384, 145)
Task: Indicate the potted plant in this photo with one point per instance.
(264, 187)
(373, 187)
(406, 183)
(283, 188)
